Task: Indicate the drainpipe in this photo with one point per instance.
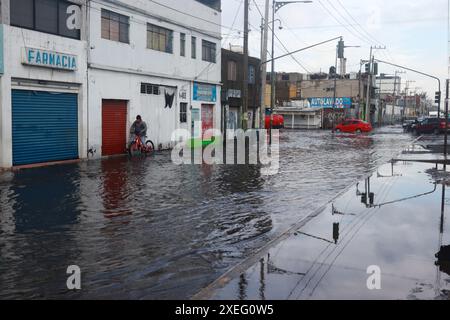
(88, 48)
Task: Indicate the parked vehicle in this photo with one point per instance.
(429, 126)
(354, 126)
(408, 125)
(277, 120)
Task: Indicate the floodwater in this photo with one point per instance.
(148, 229)
(399, 236)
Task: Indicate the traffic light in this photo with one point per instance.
(364, 198)
(375, 68)
(341, 47)
(367, 67)
(437, 97)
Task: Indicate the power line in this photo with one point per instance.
(357, 23)
(344, 25)
(346, 20)
(369, 36)
(282, 44)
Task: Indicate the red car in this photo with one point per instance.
(354, 126)
(277, 121)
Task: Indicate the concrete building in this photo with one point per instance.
(350, 97)
(232, 66)
(157, 61)
(287, 87)
(77, 72)
(387, 85)
(43, 88)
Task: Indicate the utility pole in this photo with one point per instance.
(394, 102)
(406, 93)
(369, 79)
(277, 5)
(369, 83)
(447, 84)
(421, 73)
(245, 70)
(265, 42)
(335, 88)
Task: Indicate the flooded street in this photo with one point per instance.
(147, 229)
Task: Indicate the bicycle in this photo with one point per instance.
(137, 146)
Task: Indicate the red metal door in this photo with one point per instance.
(114, 131)
(207, 120)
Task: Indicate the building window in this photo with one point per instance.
(193, 47)
(215, 4)
(49, 16)
(232, 70)
(147, 88)
(182, 44)
(183, 112)
(251, 74)
(159, 39)
(115, 26)
(208, 51)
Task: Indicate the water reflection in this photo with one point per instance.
(116, 190)
(388, 222)
(145, 228)
(38, 252)
(50, 204)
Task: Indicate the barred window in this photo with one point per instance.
(208, 51)
(160, 39)
(183, 112)
(148, 88)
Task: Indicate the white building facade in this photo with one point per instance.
(76, 73)
(158, 61)
(43, 82)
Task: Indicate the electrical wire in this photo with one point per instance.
(278, 39)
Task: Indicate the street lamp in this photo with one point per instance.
(339, 54)
(276, 5)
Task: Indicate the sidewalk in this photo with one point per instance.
(327, 255)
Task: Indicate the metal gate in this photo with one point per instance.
(44, 126)
(114, 131)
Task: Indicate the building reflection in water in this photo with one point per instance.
(116, 193)
(44, 216)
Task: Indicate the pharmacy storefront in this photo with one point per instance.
(43, 101)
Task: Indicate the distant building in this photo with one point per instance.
(232, 77)
(350, 96)
(287, 87)
(387, 85)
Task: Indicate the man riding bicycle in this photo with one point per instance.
(139, 128)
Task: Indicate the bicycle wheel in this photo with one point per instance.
(150, 147)
(133, 149)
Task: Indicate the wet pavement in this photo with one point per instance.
(399, 231)
(147, 229)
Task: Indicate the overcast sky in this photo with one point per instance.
(414, 32)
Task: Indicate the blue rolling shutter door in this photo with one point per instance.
(44, 126)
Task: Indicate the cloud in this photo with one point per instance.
(415, 33)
